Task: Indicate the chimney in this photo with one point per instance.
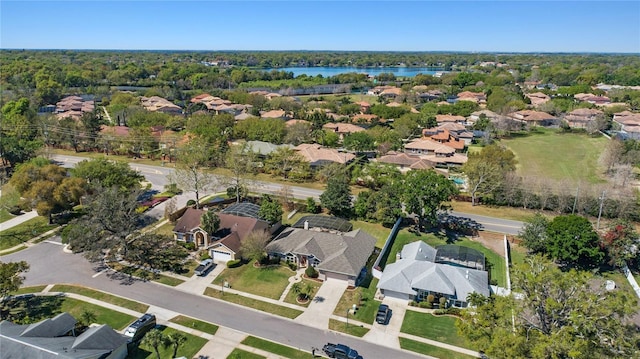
(306, 225)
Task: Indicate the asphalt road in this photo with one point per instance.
(157, 176)
(50, 264)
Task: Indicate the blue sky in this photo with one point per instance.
(503, 26)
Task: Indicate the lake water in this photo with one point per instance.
(373, 71)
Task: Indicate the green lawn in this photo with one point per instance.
(87, 292)
(114, 319)
(188, 349)
(252, 303)
(430, 350)
(276, 348)
(364, 295)
(165, 229)
(555, 155)
(267, 282)
(376, 230)
(440, 328)
(241, 354)
(26, 290)
(24, 232)
(291, 296)
(8, 199)
(195, 324)
(350, 329)
(494, 262)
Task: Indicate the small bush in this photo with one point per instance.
(292, 265)
(494, 282)
(426, 305)
(431, 298)
(204, 255)
(190, 246)
(15, 210)
(234, 263)
(311, 272)
(191, 202)
(450, 311)
(443, 302)
(312, 206)
(142, 209)
(413, 303)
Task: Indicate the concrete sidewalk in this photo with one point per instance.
(18, 220)
(323, 304)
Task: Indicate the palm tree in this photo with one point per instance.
(154, 338)
(175, 339)
(296, 288)
(475, 299)
(87, 317)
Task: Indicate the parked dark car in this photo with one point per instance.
(382, 317)
(340, 351)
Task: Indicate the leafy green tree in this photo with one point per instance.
(621, 243)
(210, 222)
(101, 172)
(155, 251)
(337, 196)
(382, 206)
(555, 314)
(253, 246)
(241, 162)
(87, 317)
(189, 173)
(283, 161)
(175, 340)
(154, 338)
(487, 169)
(572, 240)
(423, 193)
(270, 210)
(11, 278)
(534, 233)
(359, 141)
(312, 206)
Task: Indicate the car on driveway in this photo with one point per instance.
(382, 317)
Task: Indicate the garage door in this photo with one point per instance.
(331, 275)
(220, 256)
(396, 295)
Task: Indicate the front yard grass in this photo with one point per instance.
(363, 297)
(292, 297)
(10, 197)
(242, 354)
(431, 350)
(495, 263)
(195, 324)
(268, 282)
(187, 350)
(253, 303)
(108, 298)
(114, 319)
(27, 290)
(440, 328)
(24, 232)
(350, 329)
(276, 348)
(515, 214)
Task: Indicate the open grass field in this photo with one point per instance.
(431, 350)
(267, 282)
(551, 154)
(24, 232)
(440, 328)
(275, 348)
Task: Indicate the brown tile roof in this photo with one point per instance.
(586, 112)
(295, 121)
(401, 159)
(343, 127)
(315, 154)
(456, 158)
(363, 104)
(531, 116)
(449, 118)
(363, 118)
(394, 104)
(273, 114)
(120, 131)
(200, 97)
(430, 145)
(189, 220)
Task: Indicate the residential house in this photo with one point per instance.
(582, 117)
(629, 124)
(281, 114)
(159, 104)
(451, 133)
(264, 149)
(538, 98)
(317, 155)
(364, 118)
(73, 107)
(449, 271)
(365, 107)
(243, 116)
(405, 162)
(342, 129)
(534, 118)
(385, 91)
(55, 338)
(335, 255)
(435, 152)
(440, 119)
(477, 97)
(296, 121)
(224, 244)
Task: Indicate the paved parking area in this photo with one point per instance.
(323, 304)
(387, 335)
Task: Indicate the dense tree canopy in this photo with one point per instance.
(101, 172)
(424, 191)
(572, 240)
(337, 196)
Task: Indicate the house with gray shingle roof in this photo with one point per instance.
(422, 270)
(55, 338)
(335, 255)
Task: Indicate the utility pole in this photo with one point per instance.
(600, 211)
(575, 200)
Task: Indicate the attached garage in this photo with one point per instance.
(396, 295)
(219, 255)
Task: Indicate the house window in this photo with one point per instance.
(180, 236)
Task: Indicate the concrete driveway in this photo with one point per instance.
(323, 304)
(387, 335)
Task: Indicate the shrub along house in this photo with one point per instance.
(449, 271)
(318, 241)
(224, 244)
